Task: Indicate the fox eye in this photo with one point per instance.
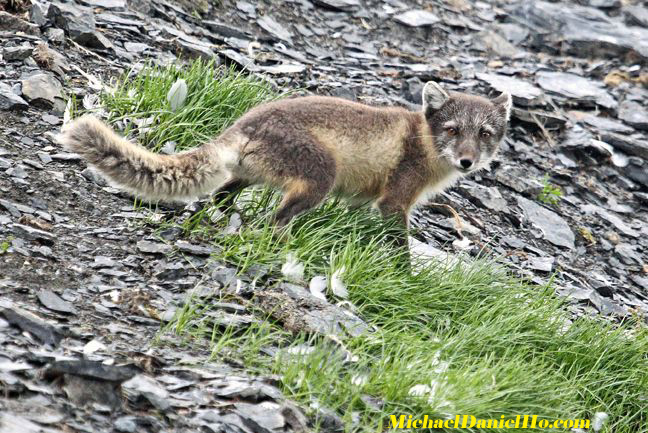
(485, 134)
(452, 131)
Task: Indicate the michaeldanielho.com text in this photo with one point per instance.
(470, 421)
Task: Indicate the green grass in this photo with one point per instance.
(216, 98)
(486, 342)
(5, 245)
(550, 194)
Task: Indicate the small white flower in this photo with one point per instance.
(317, 286)
(462, 244)
(300, 350)
(420, 390)
(67, 114)
(598, 420)
(292, 269)
(177, 94)
(359, 380)
(337, 285)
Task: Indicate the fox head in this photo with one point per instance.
(466, 129)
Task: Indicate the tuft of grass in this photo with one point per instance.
(5, 245)
(469, 337)
(216, 97)
(485, 342)
(550, 194)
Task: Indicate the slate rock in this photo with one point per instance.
(196, 250)
(606, 124)
(338, 5)
(106, 4)
(417, 18)
(552, 226)
(42, 90)
(575, 88)
(19, 53)
(628, 254)
(13, 23)
(54, 302)
(76, 20)
(33, 234)
(634, 114)
(126, 424)
(47, 334)
(9, 100)
(95, 40)
(602, 4)
(627, 144)
(487, 197)
(610, 218)
(265, 416)
(151, 247)
(91, 370)
(542, 264)
(12, 423)
(493, 43)
(513, 33)
(580, 30)
(637, 170)
(225, 30)
(38, 12)
(195, 50)
(150, 389)
(636, 15)
(523, 92)
(277, 30)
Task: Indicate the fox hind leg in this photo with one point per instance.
(227, 194)
(301, 195)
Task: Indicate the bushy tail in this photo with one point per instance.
(143, 173)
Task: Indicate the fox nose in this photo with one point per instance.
(465, 163)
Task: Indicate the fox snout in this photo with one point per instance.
(466, 157)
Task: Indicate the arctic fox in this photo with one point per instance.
(312, 146)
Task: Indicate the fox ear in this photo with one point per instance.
(505, 101)
(434, 96)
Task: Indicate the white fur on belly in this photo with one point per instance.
(438, 187)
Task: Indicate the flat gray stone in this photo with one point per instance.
(20, 52)
(487, 197)
(611, 218)
(32, 234)
(577, 88)
(580, 30)
(12, 23)
(491, 42)
(523, 92)
(9, 100)
(636, 15)
(542, 264)
(94, 39)
(106, 4)
(72, 18)
(417, 18)
(271, 26)
(605, 124)
(554, 229)
(151, 247)
(41, 89)
(634, 114)
(54, 302)
(626, 144)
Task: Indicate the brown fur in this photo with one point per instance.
(308, 147)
